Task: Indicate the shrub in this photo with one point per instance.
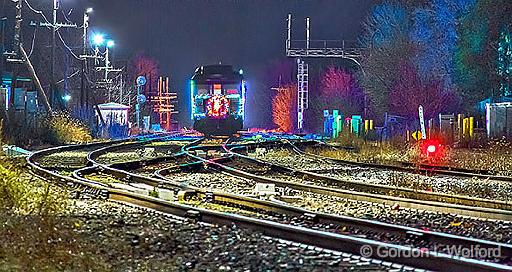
(63, 129)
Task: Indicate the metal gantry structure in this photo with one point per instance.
(301, 49)
(302, 92)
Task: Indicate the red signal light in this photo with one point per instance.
(431, 149)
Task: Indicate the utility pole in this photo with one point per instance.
(3, 19)
(84, 62)
(2, 45)
(107, 66)
(53, 91)
(17, 43)
(84, 91)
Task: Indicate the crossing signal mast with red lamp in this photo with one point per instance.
(433, 150)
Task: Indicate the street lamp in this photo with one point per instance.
(66, 98)
(98, 39)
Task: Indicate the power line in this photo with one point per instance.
(33, 42)
(67, 47)
(65, 17)
(68, 77)
(38, 12)
(62, 80)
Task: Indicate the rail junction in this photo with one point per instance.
(214, 180)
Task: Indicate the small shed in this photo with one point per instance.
(499, 120)
(112, 120)
(112, 113)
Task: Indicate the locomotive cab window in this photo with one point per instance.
(217, 89)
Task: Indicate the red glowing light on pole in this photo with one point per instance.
(431, 149)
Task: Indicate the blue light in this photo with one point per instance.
(110, 43)
(242, 101)
(192, 100)
(241, 72)
(98, 39)
(66, 98)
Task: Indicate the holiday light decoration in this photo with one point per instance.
(284, 108)
(217, 106)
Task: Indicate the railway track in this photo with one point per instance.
(414, 167)
(357, 190)
(327, 222)
(476, 188)
(335, 241)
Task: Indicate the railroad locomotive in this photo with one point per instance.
(217, 97)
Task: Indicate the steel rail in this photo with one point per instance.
(363, 224)
(317, 217)
(466, 205)
(271, 206)
(94, 155)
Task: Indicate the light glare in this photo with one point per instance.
(98, 39)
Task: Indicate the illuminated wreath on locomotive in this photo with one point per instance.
(217, 97)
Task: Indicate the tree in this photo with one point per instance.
(274, 74)
(505, 62)
(340, 90)
(387, 22)
(479, 31)
(284, 108)
(386, 34)
(381, 73)
(143, 65)
(435, 31)
(411, 90)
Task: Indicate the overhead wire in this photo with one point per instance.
(48, 22)
(65, 17)
(68, 77)
(67, 47)
(38, 12)
(33, 43)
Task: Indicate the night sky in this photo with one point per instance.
(248, 34)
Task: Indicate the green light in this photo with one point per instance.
(192, 100)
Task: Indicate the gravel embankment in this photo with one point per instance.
(134, 239)
(494, 230)
(487, 189)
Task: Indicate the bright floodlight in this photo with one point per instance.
(241, 71)
(110, 43)
(98, 39)
(89, 10)
(66, 98)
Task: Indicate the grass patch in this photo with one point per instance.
(34, 235)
